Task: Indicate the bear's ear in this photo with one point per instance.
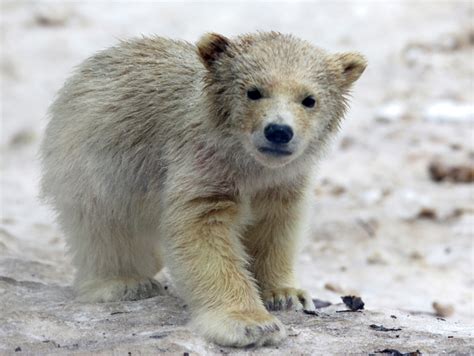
(211, 47)
(351, 66)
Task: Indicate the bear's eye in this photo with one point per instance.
(254, 94)
(308, 102)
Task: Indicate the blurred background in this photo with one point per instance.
(393, 214)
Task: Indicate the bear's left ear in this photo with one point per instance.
(351, 66)
(211, 47)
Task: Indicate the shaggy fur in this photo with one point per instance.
(151, 158)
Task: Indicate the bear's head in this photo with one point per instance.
(280, 96)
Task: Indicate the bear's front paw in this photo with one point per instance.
(240, 328)
(287, 298)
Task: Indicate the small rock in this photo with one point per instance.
(334, 288)
(416, 255)
(368, 224)
(118, 312)
(51, 16)
(427, 213)
(376, 259)
(393, 352)
(159, 335)
(456, 173)
(455, 146)
(353, 303)
(443, 310)
(383, 328)
(337, 190)
(22, 138)
(347, 142)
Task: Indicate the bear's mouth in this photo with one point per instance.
(275, 151)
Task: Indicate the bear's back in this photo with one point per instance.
(120, 106)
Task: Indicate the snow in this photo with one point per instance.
(448, 111)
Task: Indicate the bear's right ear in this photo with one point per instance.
(211, 47)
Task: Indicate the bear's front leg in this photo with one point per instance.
(272, 243)
(208, 264)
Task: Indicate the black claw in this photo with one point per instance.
(250, 346)
(261, 330)
(279, 305)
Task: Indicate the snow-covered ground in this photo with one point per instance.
(381, 227)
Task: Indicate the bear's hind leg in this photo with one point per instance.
(112, 263)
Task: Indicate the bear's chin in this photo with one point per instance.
(272, 159)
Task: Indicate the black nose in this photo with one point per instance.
(278, 134)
